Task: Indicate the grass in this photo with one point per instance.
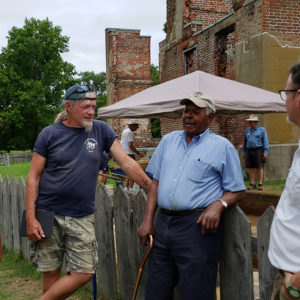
(13, 266)
(16, 170)
(22, 169)
(274, 186)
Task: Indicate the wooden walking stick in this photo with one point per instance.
(141, 267)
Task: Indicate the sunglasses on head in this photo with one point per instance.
(80, 89)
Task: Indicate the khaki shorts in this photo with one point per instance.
(72, 240)
(277, 290)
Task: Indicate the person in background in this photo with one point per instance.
(284, 246)
(255, 151)
(103, 168)
(196, 176)
(62, 179)
(127, 142)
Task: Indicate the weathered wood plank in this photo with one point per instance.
(138, 208)
(25, 243)
(236, 277)
(124, 241)
(14, 214)
(1, 209)
(7, 224)
(267, 272)
(106, 271)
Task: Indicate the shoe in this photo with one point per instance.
(260, 187)
(252, 187)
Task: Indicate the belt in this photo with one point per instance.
(181, 212)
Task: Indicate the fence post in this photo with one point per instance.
(1, 209)
(236, 274)
(14, 214)
(106, 271)
(6, 160)
(25, 243)
(124, 241)
(7, 224)
(267, 272)
(138, 208)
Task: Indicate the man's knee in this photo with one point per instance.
(81, 277)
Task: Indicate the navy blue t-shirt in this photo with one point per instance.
(73, 158)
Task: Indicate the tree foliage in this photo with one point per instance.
(33, 76)
(155, 123)
(155, 74)
(97, 82)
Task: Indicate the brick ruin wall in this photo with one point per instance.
(214, 47)
(209, 32)
(128, 72)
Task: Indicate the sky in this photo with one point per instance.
(85, 21)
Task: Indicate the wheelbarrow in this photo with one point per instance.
(141, 267)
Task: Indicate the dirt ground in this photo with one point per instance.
(16, 288)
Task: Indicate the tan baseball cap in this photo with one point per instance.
(200, 100)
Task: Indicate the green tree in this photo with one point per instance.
(155, 74)
(155, 123)
(97, 81)
(33, 76)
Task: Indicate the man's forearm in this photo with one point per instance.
(136, 173)
(151, 204)
(31, 194)
(132, 148)
(232, 197)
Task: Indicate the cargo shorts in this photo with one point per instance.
(73, 241)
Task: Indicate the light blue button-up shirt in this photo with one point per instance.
(256, 138)
(195, 175)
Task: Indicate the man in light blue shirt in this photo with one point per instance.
(255, 151)
(196, 175)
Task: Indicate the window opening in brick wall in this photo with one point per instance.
(224, 53)
(155, 128)
(190, 60)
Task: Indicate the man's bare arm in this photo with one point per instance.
(34, 229)
(130, 166)
(151, 205)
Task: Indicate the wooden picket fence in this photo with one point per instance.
(8, 159)
(120, 254)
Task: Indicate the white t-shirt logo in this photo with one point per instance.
(90, 144)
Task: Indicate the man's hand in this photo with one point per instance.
(145, 229)
(34, 230)
(210, 218)
(295, 280)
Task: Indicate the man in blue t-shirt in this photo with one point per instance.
(255, 151)
(62, 179)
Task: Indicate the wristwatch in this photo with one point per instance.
(292, 290)
(224, 203)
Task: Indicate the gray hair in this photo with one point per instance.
(209, 110)
(63, 115)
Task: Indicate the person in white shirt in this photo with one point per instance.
(127, 142)
(284, 249)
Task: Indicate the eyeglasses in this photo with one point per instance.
(283, 93)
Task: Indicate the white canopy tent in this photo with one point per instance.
(163, 99)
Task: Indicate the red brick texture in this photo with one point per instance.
(128, 72)
(223, 24)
